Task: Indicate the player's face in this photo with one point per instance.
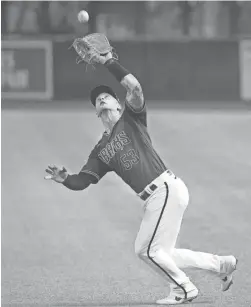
(105, 101)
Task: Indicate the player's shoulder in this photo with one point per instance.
(97, 146)
(102, 140)
(136, 115)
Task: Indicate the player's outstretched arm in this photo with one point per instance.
(75, 182)
(134, 96)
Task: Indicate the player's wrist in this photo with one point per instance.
(108, 57)
(116, 69)
(109, 61)
(64, 178)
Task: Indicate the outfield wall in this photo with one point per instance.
(175, 70)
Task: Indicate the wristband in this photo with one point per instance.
(117, 70)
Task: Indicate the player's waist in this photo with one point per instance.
(156, 183)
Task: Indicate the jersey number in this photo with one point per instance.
(129, 159)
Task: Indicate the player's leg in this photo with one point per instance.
(158, 234)
(221, 266)
(185, 258)
(154, 233)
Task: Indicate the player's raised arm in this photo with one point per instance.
(134, 95)
(95, 48)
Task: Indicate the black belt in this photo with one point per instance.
(153, 187)
(145, 194)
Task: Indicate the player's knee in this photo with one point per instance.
(156, 253)
(152, 252)
(140, 251)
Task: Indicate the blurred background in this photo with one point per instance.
(130, 19)
(195, 50)
(198, 50)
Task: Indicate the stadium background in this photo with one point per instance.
(61, 248)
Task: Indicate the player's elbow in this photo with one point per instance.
(136, 89)
(76, 187)
(77, 182)
(130, 82)
(79, 188)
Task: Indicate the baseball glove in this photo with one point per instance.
(91, 47)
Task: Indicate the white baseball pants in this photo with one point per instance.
(159, 229)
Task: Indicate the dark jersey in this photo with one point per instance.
(128, 151)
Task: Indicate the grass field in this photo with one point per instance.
(65, 248)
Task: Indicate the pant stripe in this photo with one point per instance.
(151, 241)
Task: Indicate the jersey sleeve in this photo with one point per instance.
(95, 166)
(137, 115)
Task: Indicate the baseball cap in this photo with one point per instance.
(99, 90)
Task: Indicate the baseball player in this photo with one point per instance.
(126, 149)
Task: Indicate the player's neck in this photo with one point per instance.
(110, 119)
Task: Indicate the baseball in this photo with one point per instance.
(83, 16)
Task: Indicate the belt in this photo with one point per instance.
(156, 183)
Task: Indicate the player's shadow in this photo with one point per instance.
(119, 304)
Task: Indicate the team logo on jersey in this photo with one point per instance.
(111, 148)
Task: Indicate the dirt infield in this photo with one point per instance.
(65, 248)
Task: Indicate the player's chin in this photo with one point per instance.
(102, 112)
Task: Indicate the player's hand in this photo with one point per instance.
(102, 59)
(58, 174)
